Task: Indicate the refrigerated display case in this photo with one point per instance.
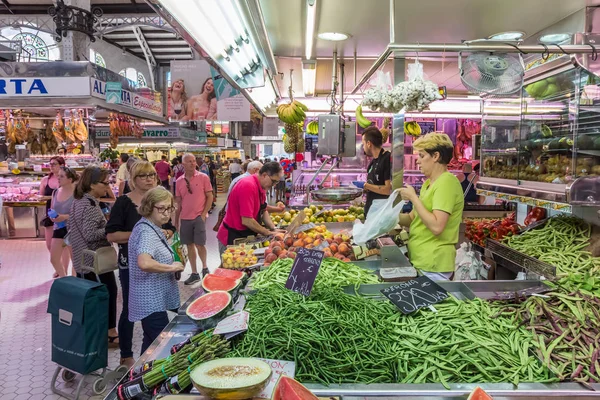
(22, 209)
(542, 146)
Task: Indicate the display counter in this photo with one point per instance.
(181, 328)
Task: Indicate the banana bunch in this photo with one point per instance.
(312, 128)
(361, 119)
(292, 113)
(412, 129)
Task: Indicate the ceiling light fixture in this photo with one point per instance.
(510, 35)
(218, 27)
(309, 77)
(333, 36)
(311, 16)
(555, 38)
(264, 96)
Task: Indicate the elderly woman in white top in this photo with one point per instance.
(153, 286)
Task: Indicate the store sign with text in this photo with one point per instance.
(154, 133)
(128, 99)
(44, 87)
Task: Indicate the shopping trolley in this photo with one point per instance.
(79, 311)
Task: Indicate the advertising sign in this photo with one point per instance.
(44, 87)
(199, 93)
(113, 92)
(149, 133)
(128, 99)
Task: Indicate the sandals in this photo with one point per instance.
(113, 342)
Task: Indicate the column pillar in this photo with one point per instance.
(75, 47)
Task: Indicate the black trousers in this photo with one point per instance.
(125, 326)
(111, 285)
(152, 326)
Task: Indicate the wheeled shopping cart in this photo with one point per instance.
(79, 311)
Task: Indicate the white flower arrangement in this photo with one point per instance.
(413, 95)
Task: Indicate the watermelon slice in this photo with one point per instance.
(230, 273)
(212, 282)
(207, 310)
(479, 394)
(289, 389)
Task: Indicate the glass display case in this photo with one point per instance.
(21, 207)
(544, 143)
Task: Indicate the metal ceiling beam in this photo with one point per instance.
(41, 9)
(7, 5)
(147, 53)
(109, 41)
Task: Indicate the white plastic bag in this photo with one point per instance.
(382, 218)
(467, 263)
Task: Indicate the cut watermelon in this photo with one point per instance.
(479, 394)
(289, 389)
(212, 282)
(207, 310)
(230, 273)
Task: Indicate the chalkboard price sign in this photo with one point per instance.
(414, 294)
(304, 270)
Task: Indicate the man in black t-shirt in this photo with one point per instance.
(379, 171)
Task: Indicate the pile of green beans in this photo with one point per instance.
(566, 330)
(333, 273)
(561, 243)
(337, 338)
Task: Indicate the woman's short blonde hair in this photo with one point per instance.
(139, 168)
(436, 142)
(152, 198)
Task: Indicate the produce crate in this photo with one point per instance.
(522, 260)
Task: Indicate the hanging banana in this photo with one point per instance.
(361, 119)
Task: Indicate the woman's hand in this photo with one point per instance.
(177, 266)
(168, 233)
(408, 193)
(60, 218)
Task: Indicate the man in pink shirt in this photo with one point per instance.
(246, 206)
(163, 169)
(194, 198)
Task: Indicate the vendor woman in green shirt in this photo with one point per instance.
(437, 210)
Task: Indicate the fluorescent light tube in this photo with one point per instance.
(309, 77)
(311, 15)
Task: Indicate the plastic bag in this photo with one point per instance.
(382, 218)
(467, 263)
(415, 70)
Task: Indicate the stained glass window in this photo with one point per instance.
(33, 47)
(141, 80)
(97, 58)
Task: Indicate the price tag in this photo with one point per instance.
(305, 227)
(414, 294)
(233, 325)
(279, 367)
(37, 168)
(304, 270)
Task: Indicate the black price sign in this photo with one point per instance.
(414, 294)
(304, 271)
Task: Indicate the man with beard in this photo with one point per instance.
(379, 171)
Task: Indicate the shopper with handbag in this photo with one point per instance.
(153, 286)
(86, 226)
(123, 217)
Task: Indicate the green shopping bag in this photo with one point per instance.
(79, 311)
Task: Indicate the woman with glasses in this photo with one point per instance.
(123, 217)
(153, 286)
(48, 185)
(86, 226)
(62, 200)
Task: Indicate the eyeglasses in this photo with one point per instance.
(274, 181)
(165, 210)
(54, 164)
(146, 176)
(187, 183)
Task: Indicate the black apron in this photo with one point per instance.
(233, 234)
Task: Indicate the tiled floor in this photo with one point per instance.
(26, 368)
